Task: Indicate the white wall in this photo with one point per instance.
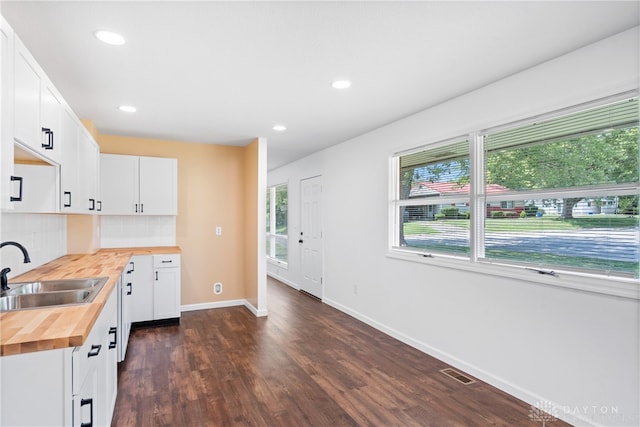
(574, 349)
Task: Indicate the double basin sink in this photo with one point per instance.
(50, 293)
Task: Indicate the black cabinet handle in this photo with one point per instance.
(113, 330)
(95, 350)
(130, 288)
(141, 207)
(19, 198)
(156, 275)
(166, 261)
(49, 144)
(87, 402)
(67, 205)
(93, 204)
(99, 202)
(136, 208)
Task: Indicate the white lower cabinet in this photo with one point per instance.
(166, 286)
(156, 287)
(95, 370)
(142, 288)
(64, 387)
(125, 303)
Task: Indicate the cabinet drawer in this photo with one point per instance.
(169, 260)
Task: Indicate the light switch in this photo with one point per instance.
(218, 231)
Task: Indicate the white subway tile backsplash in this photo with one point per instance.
(132, 231)
(44, 236)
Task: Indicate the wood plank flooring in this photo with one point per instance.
(306, 364)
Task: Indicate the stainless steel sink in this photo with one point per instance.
(18, 302)
(50, 293)
(55, 285)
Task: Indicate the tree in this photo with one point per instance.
(603, 158)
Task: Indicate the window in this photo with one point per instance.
(277, 237)
(558, 192)
(433, 202)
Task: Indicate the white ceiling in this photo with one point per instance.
(226, 72)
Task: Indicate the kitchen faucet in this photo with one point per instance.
(3, 273)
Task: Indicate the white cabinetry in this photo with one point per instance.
(37, 106)
(39, 188)
(80, 168)
(142, 288)
(156, 287)
(166, 289)
(132, 185)
(7, 192)
(125, 307)
(70, 176)
(63, 387)
(94, 366)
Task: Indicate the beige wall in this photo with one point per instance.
(213, 184)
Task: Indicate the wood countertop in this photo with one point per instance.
(26, 331)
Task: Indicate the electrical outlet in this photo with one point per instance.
(217, 288)
(218, 231)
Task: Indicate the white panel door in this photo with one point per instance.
(310, 238)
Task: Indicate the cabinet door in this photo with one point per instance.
(50, 115)
(124, 310)
(142, 288)
(6, 115)
(166, 293)
(108, 374)
(119, 184)
(86, 403)
(158, 186)
(39, 192)
(90, 170)
(26, 98)
(70, 167)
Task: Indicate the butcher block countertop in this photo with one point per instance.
(26, 331)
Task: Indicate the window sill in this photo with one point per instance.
(277, 262)
(613, 286)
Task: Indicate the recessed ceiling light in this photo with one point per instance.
(127, 108)
(109, 37)
(341, 84)
(279, 128)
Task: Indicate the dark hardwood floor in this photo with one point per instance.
(306, 364)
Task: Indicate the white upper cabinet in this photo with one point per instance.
(158, 186)
(89, 171)
(8, 190)
(37, 112)
(70, 176)
(119, 184)
(132, 185)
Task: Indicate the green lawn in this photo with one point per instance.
(530, 224)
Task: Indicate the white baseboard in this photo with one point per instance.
(525, 395)
(223, 304)
(208, 305)
(283, 280)
(255, 311)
